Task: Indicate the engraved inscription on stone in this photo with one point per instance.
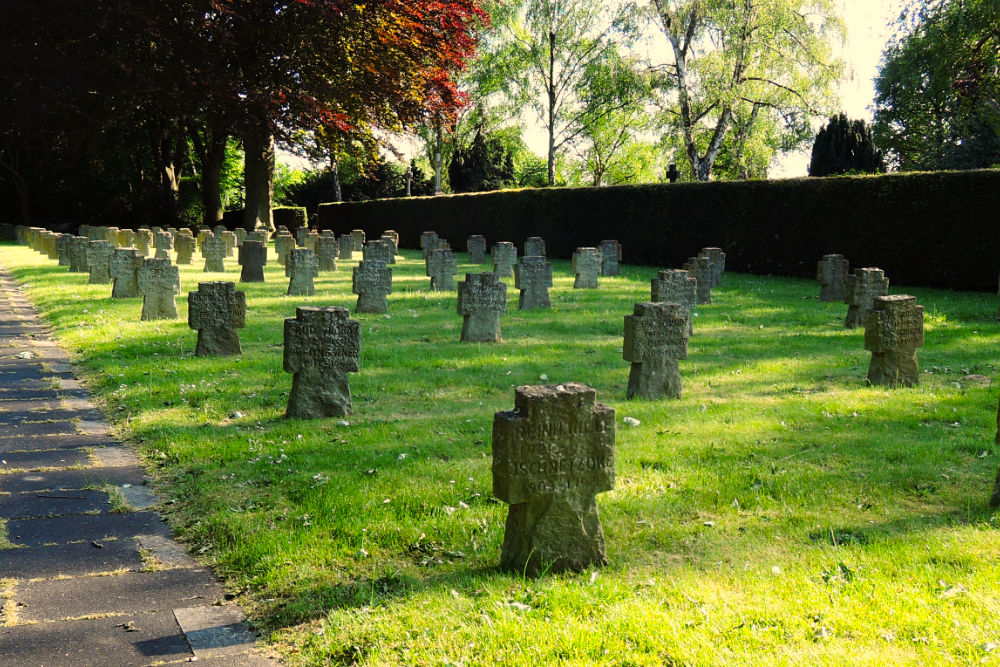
(185, 245)
(551, 455)
(125, 263)
(371, 280)
(163, 243)
(676, 286)
(216, 311)
(301, 268)
(482, 298)
(611, 256)
(143, 240)
(476, 245)
(327, 251)
(99, 262)
(77, 250)
(533, 276)
(534, 246)
(428, 243)
(504, 256)
(860, 292)
(587, 264)
(322, 345)
(656, 338)
(377, 250)
(159, 281)
(214, 252)
(701, 269)
(442, 267)
(893, 332)
(717, 259)
(831, 273)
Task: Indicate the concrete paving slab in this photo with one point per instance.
(26, 406)
(14, 393)
(129, 592)
(70, 560)
(42, 428)
(167, 551)
(115, 456)
(214, 631)
(10, 443)
(53, 503)
(43, 458)
(84, 528)
(135, 639)
(93, 427)
(45, 480)
(138, 497)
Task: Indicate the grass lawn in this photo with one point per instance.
(781, 512)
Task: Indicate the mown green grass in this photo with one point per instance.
(781, 512)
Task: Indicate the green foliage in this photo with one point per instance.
(358, 183)
(780, 512)
(843, 146)
(937, 103)
(487, 164)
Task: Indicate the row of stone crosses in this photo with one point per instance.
(555, 451)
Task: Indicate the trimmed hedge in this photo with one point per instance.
(936, 229)
(291, 217)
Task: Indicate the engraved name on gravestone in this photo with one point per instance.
(125, 263)
(283, 244)
(377, 250)
(611, 255)
(656, 338)
(717, 260)
(163, 243)
(78, 254)
(442, 267)
(701, 269)
(346, 243)
(533, 276)
(159, 281)
(327, 250)
(216, 311)
(894, 330)
(253, 258)
(62, 248)
(482, 298)
(371, 280)
(393, 243)
(322, 345)
(301, 268)
(185, 245)
(504, 255)
(534, 246)
(552, 455)
(859, 294)
(143, 240)
(831, 273)
(214, 252)
(359, 238)
(99, 262)
(586, 267)
(428, 243)
(476, 245)
(676, 286)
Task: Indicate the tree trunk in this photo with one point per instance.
(258, 178)
(335, 172)
(552, 109)
(21, 186)
(438, 156)
(211, 180)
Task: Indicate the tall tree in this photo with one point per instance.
(741, 70)
(555, 42)
(843, 146)
(937, 102)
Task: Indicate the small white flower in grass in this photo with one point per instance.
(402, 455)
(543, 377)
(463, 505)
(631, 421)
(775, 570)
(343, 422)
(298, 436)
(386, 501)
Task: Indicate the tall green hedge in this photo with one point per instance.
(936, 229)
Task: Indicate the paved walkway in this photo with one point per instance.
(81, 584)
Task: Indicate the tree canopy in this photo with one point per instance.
(845, 146)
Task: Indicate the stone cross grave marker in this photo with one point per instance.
(482, 298)
(252, 259)
(442, 267)
(346, 243)
(300, 236)
(185, 245)
(428, 243)
(230, 240)
(52, 245)
(322, 345)
(241, 236)
(894, 330)
(97, 233)
(552, 455)
(394, 234)
(717, 260)
(203, 233)
(831, 273)
(611, 255)
(214, 252)
(216, 311)
(656, 338)
(159, 281)
(62, 248)
(143, 240)
(359, 238)
(327, 250)
(393, 243)
(163, 243)
(476, 245)
(371, 280)
(504, 254)
(78, 254)
(257, 235)
(587, 267)
(534, 246)
(701, 269)
(218, 229)
(533, 276)
(112, 236)
(311, 239)
(125, 238)
(301, 268)
(860, 292)
(125, 263)
(676, 286)
(99, 262)
(283, 244)
(378, 250)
